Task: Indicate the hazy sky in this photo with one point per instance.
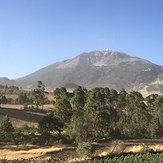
(36, 33)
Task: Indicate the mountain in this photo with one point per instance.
(100, 69)
(7, 81)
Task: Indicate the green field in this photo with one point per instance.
(132, 158)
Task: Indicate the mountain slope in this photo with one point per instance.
(99, 68)
(6, 81)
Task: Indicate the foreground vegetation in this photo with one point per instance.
(133, 158)
(91, 115)
(126, 158)
(85, 116)
(103, 113)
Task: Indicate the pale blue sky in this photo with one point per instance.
(36, 33)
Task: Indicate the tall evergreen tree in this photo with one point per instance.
(38, 94)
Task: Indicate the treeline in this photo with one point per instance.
(91, 115)
(9, 89)
(34, 97)
(102, 113)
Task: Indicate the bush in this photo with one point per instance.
(6, 129)
(26, 134)
(85, 149)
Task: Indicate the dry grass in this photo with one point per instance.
(19, 116)
(68, 153)
(10, 155)
(12, 96)
(29, 151)
(50, 96)
(49, 107)
(13, 106)
(130, 146)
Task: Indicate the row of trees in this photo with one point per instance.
(4, 89)
(35, 97)
(102, 113)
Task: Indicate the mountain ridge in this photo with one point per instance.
(98, 69)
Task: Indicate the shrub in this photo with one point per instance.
(6, 129)
(85, 149)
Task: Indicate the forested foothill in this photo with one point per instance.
(85, 116)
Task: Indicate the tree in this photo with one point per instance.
(49, 126)
(76, 129)
(137, 116)
(1, 99)
(85, 149)
(100, 121)
(158, 112)
(79, 99)
(22, 98)
(4, 100)
(99, 115)
(154, 128)
(39, 98)
(96, 96)
(150, 100)
(61, 93)
(63, 110)
(6, 129)
(133, 100)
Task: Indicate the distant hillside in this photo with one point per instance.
(100, 69)
(6, 81)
